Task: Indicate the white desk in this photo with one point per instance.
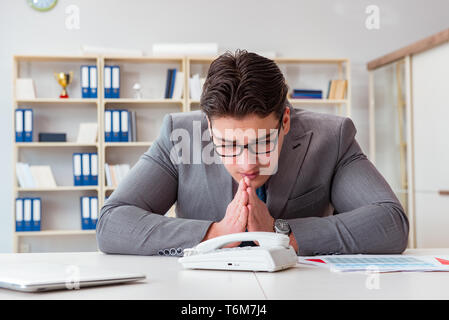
(310, 282)
(166, 279)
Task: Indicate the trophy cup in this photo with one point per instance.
(64, 79)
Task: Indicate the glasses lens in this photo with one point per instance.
(263, 147)
(228, 150)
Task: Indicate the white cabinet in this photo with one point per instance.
(430, 94)
(432, 220)
(409, 133)
(388, 150)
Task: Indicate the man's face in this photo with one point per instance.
(250, 147)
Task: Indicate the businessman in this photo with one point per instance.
(248, 161)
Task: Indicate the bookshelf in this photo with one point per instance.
(149, 109)
(60, 206)
(297, 71)
(195, 65)
(331, 69)
(49, 113)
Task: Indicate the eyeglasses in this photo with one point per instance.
(232, 149)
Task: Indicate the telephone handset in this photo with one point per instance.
(265, 239)
(272, 254)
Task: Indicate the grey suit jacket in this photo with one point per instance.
(334, 199)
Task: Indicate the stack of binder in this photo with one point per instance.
(307, 94)
(337, 89)
(174, 84)
(89, 212)
(89, 81)
(196, 86)
(115, 173)
(24, 125)
(34, 176)
(120, 126)
(85, 169)
(111, 82)
(28, 214)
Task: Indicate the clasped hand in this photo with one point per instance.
(245, 212)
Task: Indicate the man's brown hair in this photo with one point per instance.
(243, 83)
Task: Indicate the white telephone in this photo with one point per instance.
(272, 254)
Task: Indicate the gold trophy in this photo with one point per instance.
(64, 79)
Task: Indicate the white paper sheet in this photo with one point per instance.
(378, 263)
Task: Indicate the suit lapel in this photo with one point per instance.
(219, 187)
(294, 149)
(219, 181)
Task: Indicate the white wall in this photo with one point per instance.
(326, 28)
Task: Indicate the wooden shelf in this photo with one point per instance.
(298, 101)
(146, 59)
(129, 144)
(144, 101)
(310, 60)
(317, 101)
(56, 58)
(201, 59)
(54, 144)
(57, 100)
(60, 188)
(45, 233)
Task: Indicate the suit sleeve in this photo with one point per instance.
(368, 217)
(132, 220)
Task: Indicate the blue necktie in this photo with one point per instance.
(261, 193)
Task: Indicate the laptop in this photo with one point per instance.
(37, 277)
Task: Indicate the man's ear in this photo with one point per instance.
(286, 121)
(209, 126)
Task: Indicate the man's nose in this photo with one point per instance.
(247, 160)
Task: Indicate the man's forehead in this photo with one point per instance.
(249, 122)
(237, 131)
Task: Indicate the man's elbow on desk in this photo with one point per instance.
(380, 228)
(401, 241)
(103, 243)
(110, 233)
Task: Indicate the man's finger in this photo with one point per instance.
(250, 214)
(243, 216)
(242, 186)
(247, 181)
(244, 198)
(252, 196)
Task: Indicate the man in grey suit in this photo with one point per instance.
(249, 162)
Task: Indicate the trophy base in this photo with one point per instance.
(64, 96)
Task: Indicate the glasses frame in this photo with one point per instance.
(248, 145)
